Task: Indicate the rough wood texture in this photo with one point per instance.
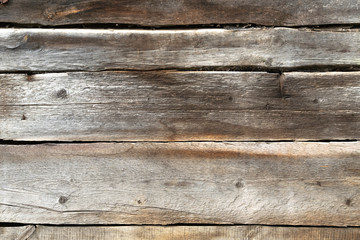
(16, 233)
(165, 183)
(174, 12)
(168, 106)
(188, 233)
(84, 49)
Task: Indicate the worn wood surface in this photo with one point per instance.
(85, 49)
(169, 106)
(16, 233)
(166, 183)
(174, 12)
(185, 232)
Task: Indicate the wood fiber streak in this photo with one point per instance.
(168, 183)
(189, 233)
(174, 12)
(85, 49)
(172, 106)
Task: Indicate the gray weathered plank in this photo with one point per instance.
(169, 90)
(192, 182)
(174, 12)
(168, 106)
(16, 233)
(189, 233)
(84, 49)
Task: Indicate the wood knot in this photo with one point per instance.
(63, 199)
(239, 184)
(62, 93)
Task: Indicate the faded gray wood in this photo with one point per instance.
(192, 182)
(84, 49)
(168, 106)
(191, 232)
(169, 90)
(16, 233)
(174, 12)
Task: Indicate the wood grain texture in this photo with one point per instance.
(84, 49)
(173, 12)
(179, 106)
(189, 233)
(167, 183)
(16, 233)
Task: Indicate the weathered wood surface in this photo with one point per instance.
(168, 106)
(174, 12)
(166, 183)
(84, 49)
(186, 232)
(16, 233)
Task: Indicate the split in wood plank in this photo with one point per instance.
(181, 232)
(192, 182)
(179, 106)
(84, 49)
(174, 12)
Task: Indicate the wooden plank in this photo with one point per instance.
(201, 90)
(16, 233)
(179, 106)
(166, 183)
(190, 232)
(172, 12)
(84, 49)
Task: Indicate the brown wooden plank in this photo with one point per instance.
(189, 233)
(168, 106)
(84, 49)
(165, 183)
(173, 12)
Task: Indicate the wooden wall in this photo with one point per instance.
(176, 119)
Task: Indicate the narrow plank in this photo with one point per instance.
(179, 106)
(172, 12)
(192, 182)
(190, 232)
(84, 49)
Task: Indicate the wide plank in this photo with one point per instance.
(188, 232)
(84, 49)
(174, 12)
(179, 106)
(287, 183)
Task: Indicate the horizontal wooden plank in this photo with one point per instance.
(172, 12)
(84, 49)
(189, 233)
(16, 233)
(166, 183)
(201, 90)
(169, 106)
